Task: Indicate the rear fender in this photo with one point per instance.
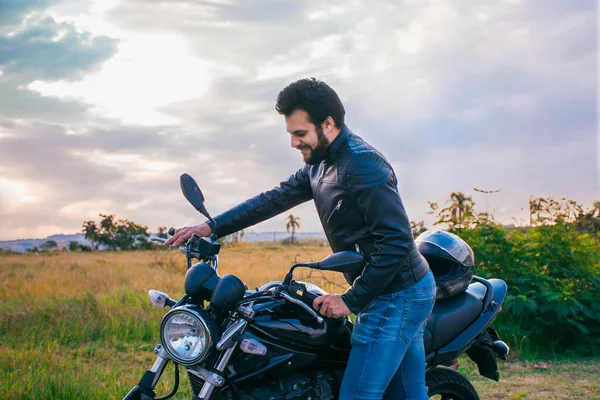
(483, 354)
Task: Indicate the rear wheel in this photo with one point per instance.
(446, 384)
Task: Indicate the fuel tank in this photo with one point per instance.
(291, 325)
(294, 340)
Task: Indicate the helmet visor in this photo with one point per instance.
(448, 243)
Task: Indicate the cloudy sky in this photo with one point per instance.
(103, 104)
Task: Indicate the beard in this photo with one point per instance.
(317, 154)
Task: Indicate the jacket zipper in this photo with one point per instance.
(337, 207)
(367, 306)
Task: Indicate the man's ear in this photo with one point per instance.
(328, 125)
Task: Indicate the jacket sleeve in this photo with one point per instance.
(291, 192)
(374, 186)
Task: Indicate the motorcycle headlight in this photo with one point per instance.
(187, 334)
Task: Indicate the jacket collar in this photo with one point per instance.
(340, 139)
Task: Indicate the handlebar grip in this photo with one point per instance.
(299, 291)
(171, 231)
(309, 297)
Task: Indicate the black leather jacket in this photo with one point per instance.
(355, 192)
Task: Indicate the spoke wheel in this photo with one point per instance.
(446, 384)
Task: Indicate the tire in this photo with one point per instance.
(446, 384)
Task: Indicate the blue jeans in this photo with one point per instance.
(387, 346)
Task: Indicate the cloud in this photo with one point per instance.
(35, 46)
(12, 12)
(461, 62)
(132, 172)
(46, 49)
(36, 165)
(456, 94)
(149, 71)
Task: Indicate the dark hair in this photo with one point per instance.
(313, 96)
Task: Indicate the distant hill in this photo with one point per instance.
(22, 245)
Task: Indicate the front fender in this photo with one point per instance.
(141, 391)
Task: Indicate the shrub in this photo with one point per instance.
(552, 271)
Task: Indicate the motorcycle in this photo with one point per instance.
(269, 343)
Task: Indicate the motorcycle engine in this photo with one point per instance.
(297, 386)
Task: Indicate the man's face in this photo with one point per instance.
(306, 137)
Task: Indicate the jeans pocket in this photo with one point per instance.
(369, 322)
(415, 314)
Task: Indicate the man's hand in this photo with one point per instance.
(183, 234)
(331, 306)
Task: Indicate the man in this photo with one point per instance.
(355, 192)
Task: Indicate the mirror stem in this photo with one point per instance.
(288, 277)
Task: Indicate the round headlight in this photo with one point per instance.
(186, 335)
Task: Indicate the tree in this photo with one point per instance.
(417, 227)
(458, 214)
(162, 232)
(83, 247)
(596, 209)
(91, 233)
(588, 220)
(536, 207)
(461, 207)
(545, 211)
(49, 245)
(291, 224)
(114, 234)
(73, 245)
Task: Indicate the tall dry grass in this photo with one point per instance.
(71, 274)
(80, 326)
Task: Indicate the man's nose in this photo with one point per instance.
(295, 142)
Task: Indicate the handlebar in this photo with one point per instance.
(297, 294)
(158, 240)
(299, 291)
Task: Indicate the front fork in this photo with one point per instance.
(145, 388)
(212, 379)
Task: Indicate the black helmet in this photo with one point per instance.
(450, 259)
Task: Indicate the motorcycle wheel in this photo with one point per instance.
(446, 384)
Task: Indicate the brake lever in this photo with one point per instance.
(157, 239)
(302, 304)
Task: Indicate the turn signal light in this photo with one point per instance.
(252, 346)
(158, 299)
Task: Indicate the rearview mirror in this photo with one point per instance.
(344, 261)
(192, 193)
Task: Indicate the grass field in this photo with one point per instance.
(80, 326)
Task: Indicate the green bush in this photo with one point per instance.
(552, 269)
(553, 279)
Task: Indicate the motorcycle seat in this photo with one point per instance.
(452, 316)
